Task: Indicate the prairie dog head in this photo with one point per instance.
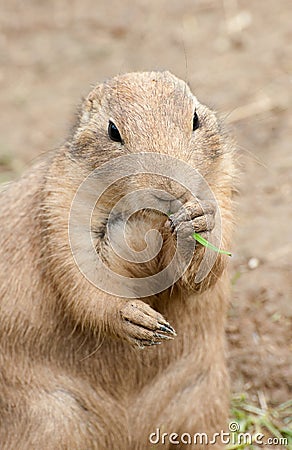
(150, 112)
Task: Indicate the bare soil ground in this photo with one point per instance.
(237, 57)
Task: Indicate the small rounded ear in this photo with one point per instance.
(94, 96)
(91, 102)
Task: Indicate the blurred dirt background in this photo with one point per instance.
(237, 57)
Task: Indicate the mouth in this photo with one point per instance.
(167, 203)
(167, 196)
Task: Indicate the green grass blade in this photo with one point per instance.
(270, 426)
(207, 244)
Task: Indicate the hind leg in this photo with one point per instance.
(63, 418)
(182, 403)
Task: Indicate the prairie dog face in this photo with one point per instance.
(150, 112)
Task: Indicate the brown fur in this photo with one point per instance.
(71, 376)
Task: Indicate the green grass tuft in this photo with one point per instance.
(271, 422)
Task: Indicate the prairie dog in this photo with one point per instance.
(85, 368)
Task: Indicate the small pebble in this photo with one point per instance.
(253, 263)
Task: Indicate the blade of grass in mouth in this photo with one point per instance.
(207, 244)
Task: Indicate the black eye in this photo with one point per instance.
(196, 122)
(114, 133)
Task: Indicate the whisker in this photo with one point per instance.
(93, 352)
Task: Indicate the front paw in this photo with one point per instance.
(143, 326)
(193, 217)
